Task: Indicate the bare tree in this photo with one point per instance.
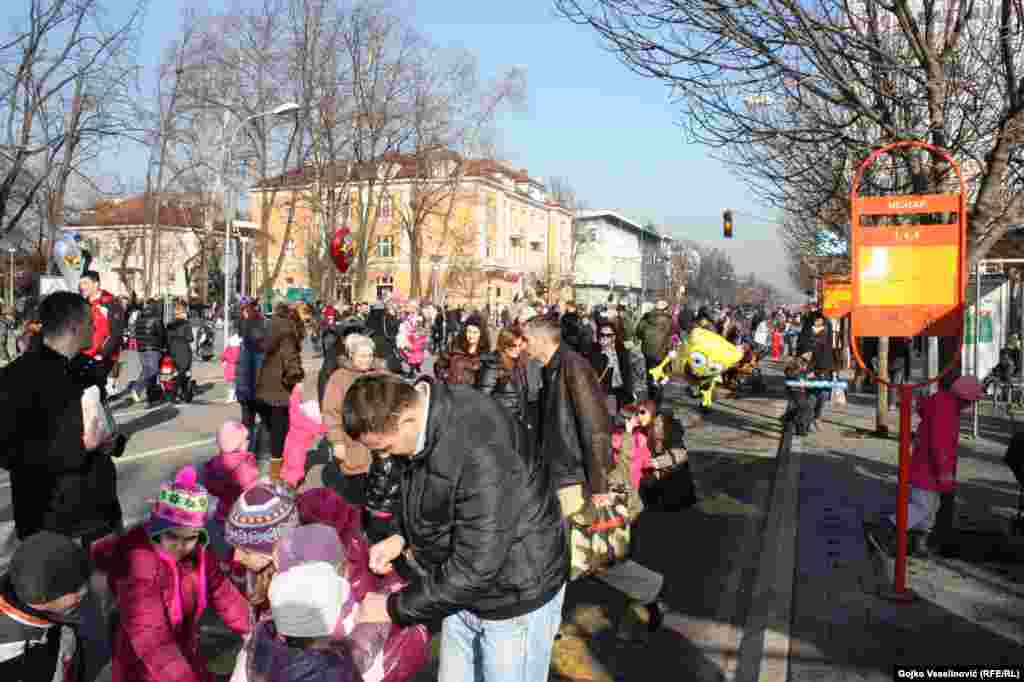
(795, 94)
(64, 91)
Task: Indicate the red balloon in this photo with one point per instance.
(343, 249)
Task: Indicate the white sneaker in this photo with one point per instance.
(136, 398)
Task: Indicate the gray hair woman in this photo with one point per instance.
(346, 474)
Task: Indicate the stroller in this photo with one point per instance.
(182, 388)
(1015, 460)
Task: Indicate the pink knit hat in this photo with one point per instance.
(182, 503)
(968, 388)
(232, 436)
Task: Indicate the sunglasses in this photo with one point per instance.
(641, 413)
(607, 336)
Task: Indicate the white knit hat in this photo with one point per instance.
(306, 600)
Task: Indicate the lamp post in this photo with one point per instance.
(243, 263)
(287, 108)
(11, 250)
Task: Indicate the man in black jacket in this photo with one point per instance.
(60, 480)
(151, 341)
(480, 521)
(40, 601)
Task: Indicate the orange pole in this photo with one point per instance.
(903, 490)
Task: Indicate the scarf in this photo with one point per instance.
(613, 363)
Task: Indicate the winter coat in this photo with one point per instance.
(250, 359)
(31, 646)
(55, 483)
(479, 515)
(933, 462)
(655, 334)
(576, 334)
(226, 477)
(282, 349)
(509, 388)
(179, 344)
(604, 372)
(383, 329)
(384, 485)
(161, 602)
(108, 324)
(354, 457)
(305, 427)
(639, 458)
(575, 436)
(230, 362)
(150, 333)
(457, 368)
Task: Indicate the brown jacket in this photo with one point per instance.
(281, 348)
(353, 457)
(575, 432)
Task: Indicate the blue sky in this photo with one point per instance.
(612, 133)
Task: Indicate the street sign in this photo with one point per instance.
(836, 297)
(908, 277)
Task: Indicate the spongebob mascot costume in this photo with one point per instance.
(699, 359)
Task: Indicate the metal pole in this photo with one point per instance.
(12, 278)
(903, 493)
(977, 327)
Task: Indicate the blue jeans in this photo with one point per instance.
(515, 650)
(150, 361)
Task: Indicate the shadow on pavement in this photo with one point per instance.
(161, 415)
(841, 623)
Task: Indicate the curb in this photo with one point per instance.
(765, 645)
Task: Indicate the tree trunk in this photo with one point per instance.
(414, 267)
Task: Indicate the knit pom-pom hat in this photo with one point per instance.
(232, 436)
(260, 516)
(182, 503)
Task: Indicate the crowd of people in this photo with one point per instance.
(436, 505)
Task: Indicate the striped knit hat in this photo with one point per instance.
(182, 503)
(260, 516)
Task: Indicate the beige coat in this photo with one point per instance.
(353, 457)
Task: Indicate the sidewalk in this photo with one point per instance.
(966, 613)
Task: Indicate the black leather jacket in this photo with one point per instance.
(150, 333)
(503, 386)
(479, 515)
(384, 484)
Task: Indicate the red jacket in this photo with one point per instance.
(161, 602)
(100, 308)
(933, 461)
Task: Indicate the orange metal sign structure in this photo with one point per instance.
(908, 280)
(836, 297)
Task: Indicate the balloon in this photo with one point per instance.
(343, 249)
(70, 259)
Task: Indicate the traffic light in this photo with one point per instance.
(727, 224)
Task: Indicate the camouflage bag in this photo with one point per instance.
(599, 536)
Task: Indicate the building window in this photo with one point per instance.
(490, 248)
(535, 247)
(385, 287)
(343, 292)
(517, 250)
(289, 248)
(385, 207)
(384, 247)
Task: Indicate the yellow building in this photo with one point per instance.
(487, 231)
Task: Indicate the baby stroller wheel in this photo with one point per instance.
(188, 391)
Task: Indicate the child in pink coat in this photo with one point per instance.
(164, 579)
(232, 471)
(933, 460)
(229, 361)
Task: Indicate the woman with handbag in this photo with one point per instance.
(280, 372)
(613, 366)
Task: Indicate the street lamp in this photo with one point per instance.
(244, 290)
(11, 250)
(229, 140)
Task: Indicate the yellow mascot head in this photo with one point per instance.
(702, 357)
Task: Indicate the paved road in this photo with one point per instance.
(163, 439)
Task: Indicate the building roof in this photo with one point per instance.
(616, 216)
(408, 167)
(178, 209)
